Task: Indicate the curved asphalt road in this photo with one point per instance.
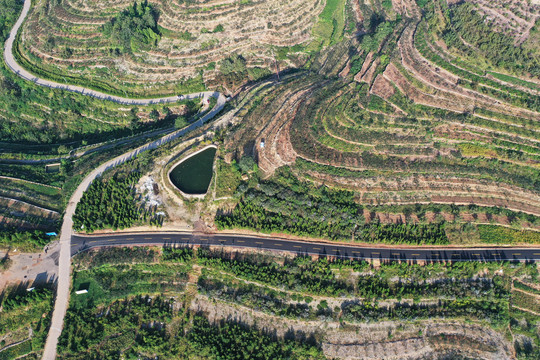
(81, 243)
(19, 70)
(62, 293)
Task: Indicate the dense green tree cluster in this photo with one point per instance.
(494, 311)
(418, 234)
(182, 254)
(8, 15)
(250, 216)
(377, 287)
(500, 49)
(108, 204)
(23, 240)
(134, 28)
(299, 274)
(125, 319)
(381, 30)
(231, 340)
(138, 327)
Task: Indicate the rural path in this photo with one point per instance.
(19, 70)
(62, 293)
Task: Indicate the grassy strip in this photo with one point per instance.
(329, 28)
(514, 80)
(188, 86)
(493, 234)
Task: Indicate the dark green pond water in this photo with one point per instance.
(193, 175)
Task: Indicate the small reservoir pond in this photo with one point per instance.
(193, 175)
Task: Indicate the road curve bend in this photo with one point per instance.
(20, 71)
(64, 266)
(62, 293)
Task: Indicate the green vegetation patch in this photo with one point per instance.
(503, 235)
(23, 240)
(230, 340)
(108, 204)
(135, 28)
(500, 49)
(330, 26)
(22, 310)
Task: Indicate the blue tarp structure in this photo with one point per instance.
(51, 234)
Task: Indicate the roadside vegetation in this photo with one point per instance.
(24, 321)
(160, 302)
(286, 204)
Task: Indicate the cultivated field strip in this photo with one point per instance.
(423, 127)
(188, 43)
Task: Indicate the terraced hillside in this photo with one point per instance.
(163, 47)
(427, 104)
(308, 308)
(427, 111)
